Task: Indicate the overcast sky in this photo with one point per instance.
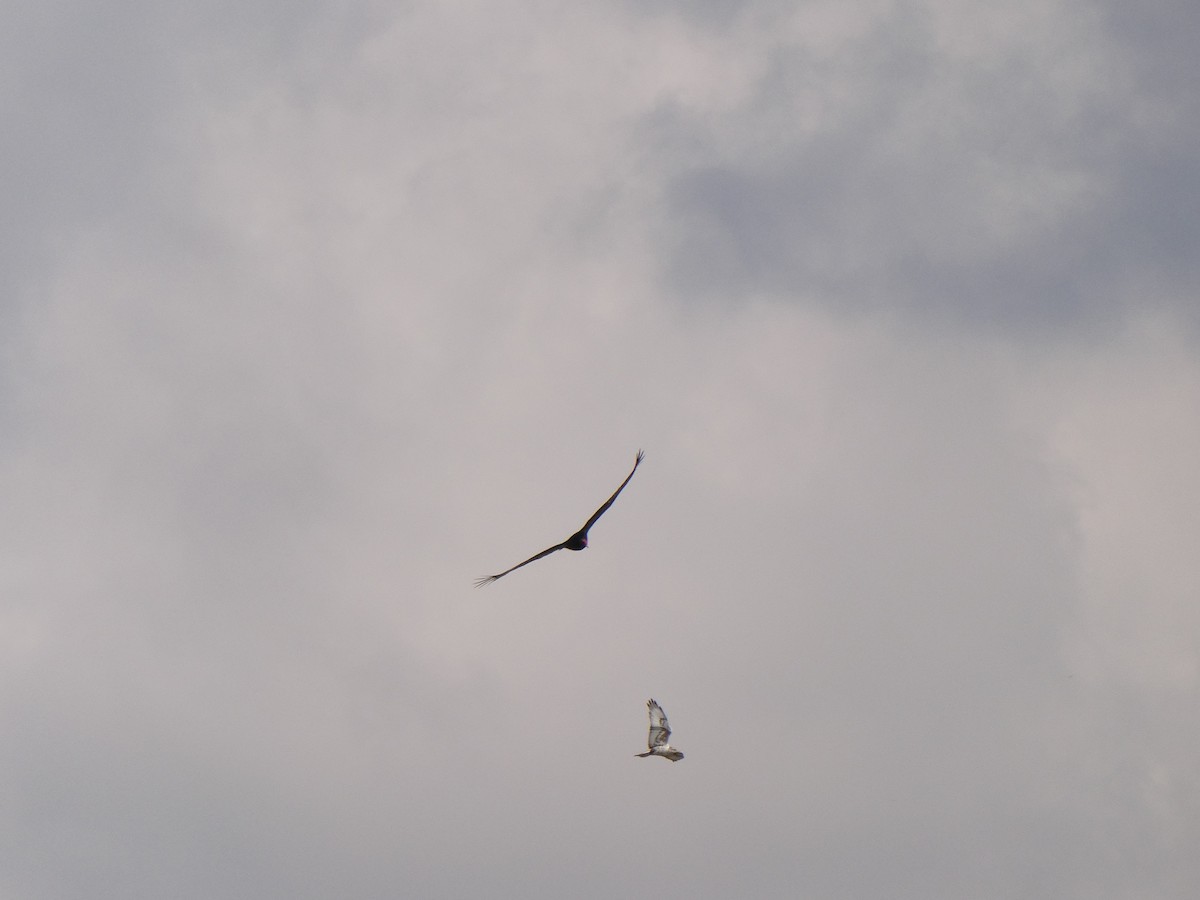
(313, 312)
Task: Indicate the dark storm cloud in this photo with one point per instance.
(995, 193)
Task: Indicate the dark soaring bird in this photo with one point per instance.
(578, 540)
(660, 733)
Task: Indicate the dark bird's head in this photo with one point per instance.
(576, 541)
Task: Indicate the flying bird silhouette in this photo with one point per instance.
(578, 540)
(660, 731)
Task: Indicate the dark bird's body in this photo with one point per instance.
(579, 539)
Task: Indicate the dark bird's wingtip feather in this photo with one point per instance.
(480, 582)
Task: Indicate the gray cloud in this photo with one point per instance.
(1030, 187)
(345, 306)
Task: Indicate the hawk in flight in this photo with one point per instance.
(578, 540)
(660, 731)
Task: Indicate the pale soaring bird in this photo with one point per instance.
(660, 731)
(578, 540)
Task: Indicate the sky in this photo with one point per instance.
(312, 313)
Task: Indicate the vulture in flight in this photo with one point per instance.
(578, 540)
(660, 731)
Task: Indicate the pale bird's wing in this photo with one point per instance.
(660, 730)
(609, 502)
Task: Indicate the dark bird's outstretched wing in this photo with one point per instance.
(660, 731)
(578, 540)
(480, 582)
(609, 502)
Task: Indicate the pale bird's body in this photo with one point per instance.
(660, 732)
